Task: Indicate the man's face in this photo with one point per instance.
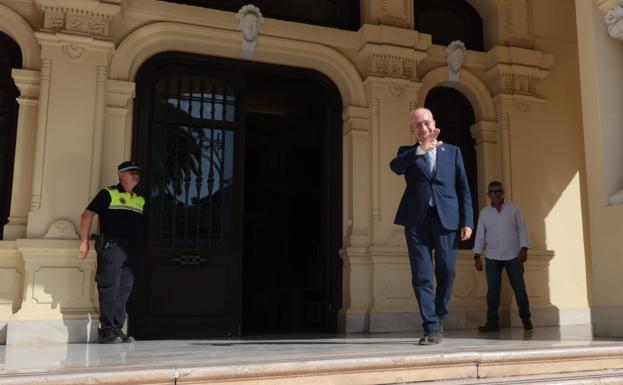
(130, 178)
(421, 124)
(496, 193)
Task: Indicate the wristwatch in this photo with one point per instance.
(476, 256)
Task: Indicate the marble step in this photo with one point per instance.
(433, 367)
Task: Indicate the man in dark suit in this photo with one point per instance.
(436, 210)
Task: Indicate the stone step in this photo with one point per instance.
(591, 364)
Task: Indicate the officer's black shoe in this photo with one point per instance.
(431, 338)
(124, 337)
(109, 337)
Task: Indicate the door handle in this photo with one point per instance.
(190, 260)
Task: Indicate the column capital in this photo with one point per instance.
(383, 56)
(80, 17)
(514, 73)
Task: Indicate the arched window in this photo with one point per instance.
(449, 20)
(10, 57)
(454, 115)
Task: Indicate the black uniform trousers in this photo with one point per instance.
(115, 276)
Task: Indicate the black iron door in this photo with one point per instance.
(190, 137)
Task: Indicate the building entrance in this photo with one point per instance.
(243, 188)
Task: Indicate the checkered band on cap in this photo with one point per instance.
(128, 165)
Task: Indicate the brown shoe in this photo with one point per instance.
(489, 326)
(527, 324)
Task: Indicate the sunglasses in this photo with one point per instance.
(496, 191)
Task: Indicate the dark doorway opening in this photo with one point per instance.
(10, 57)
(285, 263)
(454, 115)
(254, 249)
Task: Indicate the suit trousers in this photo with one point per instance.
(421, 240)
(114, 277)
(514, 269)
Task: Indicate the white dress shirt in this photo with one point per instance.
(501, 233)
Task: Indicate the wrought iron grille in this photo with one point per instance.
(192, 163)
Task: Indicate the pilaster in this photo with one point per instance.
(395, 13)
(516, 23)
(513, 75)
(75, 56)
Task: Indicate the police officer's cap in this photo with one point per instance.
(128, 165)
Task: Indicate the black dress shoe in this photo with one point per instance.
(109, 338)
(431, 338)
(124, 337)
(489, 326)
(527, 324)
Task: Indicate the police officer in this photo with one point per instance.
(120, 210)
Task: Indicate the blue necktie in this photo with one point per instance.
(431, 167)
(429, 161)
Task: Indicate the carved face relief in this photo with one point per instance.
(456, 59)
(249, 27)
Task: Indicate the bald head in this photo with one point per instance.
(421, 123)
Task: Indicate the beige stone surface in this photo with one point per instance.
(546, 94)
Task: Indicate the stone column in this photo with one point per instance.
(28, 84)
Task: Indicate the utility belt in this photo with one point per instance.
(102, 243)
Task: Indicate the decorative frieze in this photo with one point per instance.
(516, 72)
(390, 61)
(89, 18)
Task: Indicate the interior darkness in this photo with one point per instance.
(285, 271)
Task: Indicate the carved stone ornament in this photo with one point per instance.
(250, 26)
(61, 229)
(73, 51)
(79, 17)
(455, 57)
(614, 21)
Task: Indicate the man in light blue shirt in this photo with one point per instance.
(502, 232)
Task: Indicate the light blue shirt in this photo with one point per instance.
(501, 233)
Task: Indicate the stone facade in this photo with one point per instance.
(80, 63)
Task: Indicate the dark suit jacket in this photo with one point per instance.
(448, 184)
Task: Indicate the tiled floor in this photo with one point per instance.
(172, 354)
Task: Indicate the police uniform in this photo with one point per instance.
(121, 215)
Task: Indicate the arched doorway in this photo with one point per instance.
(243, 186)
(454, 115)
(10, 57)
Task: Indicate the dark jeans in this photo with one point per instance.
(421, 240)
(514, 269)
(115, 276)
